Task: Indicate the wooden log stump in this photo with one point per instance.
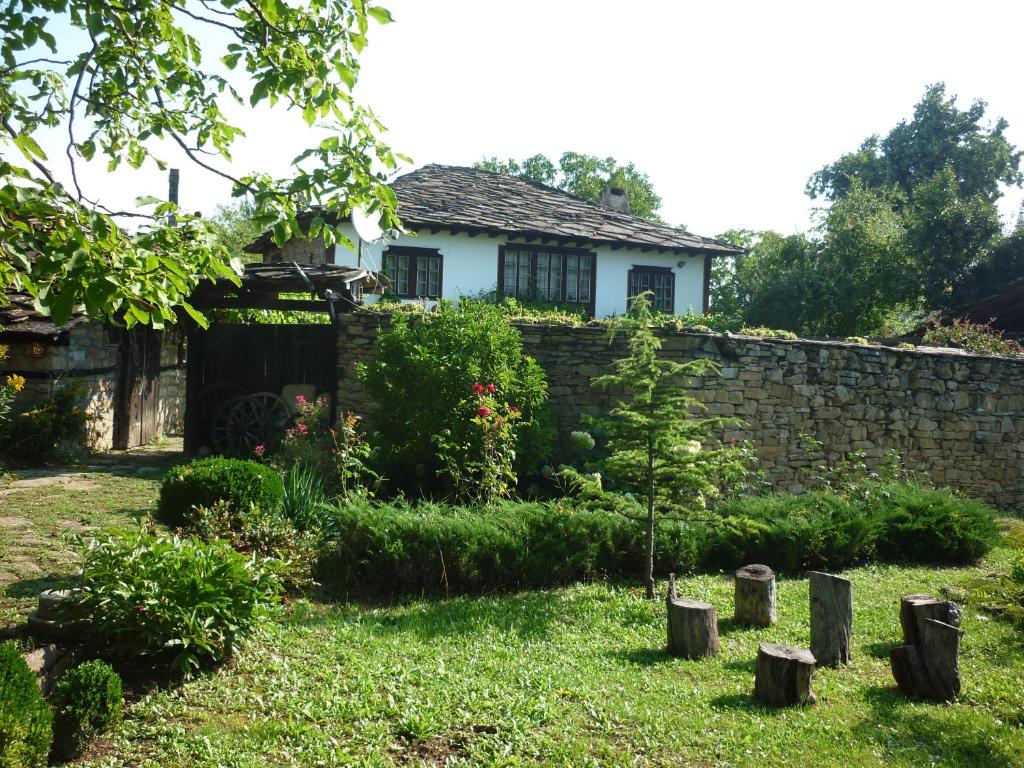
(916, 609)
(928, 665)
(755, 596)
(831, 618)
(692, 626)
(784, 675)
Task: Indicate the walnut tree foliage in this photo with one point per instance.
(130, 81)
(585, 176)
(660, 450)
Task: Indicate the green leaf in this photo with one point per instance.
(382, 15)
(196, 315)
(28, 146)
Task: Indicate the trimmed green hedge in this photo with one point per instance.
(431, 548)
(204, 482)
(25, 720)
(89, 699)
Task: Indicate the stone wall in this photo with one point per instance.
(958, 417)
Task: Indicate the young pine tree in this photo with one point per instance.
(657, 440)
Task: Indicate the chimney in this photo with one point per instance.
(615, 199)
(172, 194)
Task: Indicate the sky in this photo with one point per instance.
(727, 106)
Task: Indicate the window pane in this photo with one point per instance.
(571, 277)
(402, 276)
(523, 286)
(555, 278)
(584, 284)
(509, 280)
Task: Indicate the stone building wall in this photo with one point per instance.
(958, 417)
(89, 357)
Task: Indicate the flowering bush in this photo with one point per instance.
(338, 454)
(423, 369)
(56, 430)
(480, 467)
(11, 385)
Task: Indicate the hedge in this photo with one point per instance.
(389, 550)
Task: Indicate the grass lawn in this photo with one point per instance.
(569, 677)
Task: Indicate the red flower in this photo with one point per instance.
(491, 388)
(483, 411)
(259, 450)
(478, 388)
(513, 409)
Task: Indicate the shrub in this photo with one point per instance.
(54, 431)
(925, 525)
(203, 482)
(981, 339)
(396, 549)
(88, 700)
(424, 367)
(481, 468)
(268, 536)
(144, 591)
(25, 720)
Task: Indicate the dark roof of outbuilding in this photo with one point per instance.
(19, 319)
(468, 199)
(1004, 310)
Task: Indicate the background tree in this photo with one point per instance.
(912, 226)
(657, 448)
(143, 79)
(235, 226)
(584, 176)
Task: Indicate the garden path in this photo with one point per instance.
(40, 507)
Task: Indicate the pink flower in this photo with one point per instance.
(300, 399)
(483, 411)
(513, 409)
(259, 450)
(478, 388)
(303, 429)
(491, 388)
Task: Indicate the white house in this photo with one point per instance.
(473, 232)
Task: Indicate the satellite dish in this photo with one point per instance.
(367, 224)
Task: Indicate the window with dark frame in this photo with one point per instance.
(415, 273)
(660, 281)
(546, 273)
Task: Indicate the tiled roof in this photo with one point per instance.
(467, 199)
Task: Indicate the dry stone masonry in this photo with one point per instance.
(957, 417)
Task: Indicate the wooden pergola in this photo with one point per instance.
(332, 289)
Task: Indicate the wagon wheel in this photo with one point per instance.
(212, 397)
(245, 421)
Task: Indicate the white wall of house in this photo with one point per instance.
(470, 267)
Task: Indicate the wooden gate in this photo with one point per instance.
(237, 372)
(136, 419)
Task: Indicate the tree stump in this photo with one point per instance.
(831, 618)
(784, 675)
(928, 665)
(692, 626)
(916, 609)
(755, 595)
